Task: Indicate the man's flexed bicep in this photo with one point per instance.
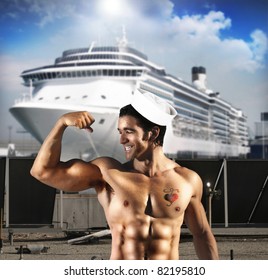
(72, 176)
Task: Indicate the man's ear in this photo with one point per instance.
(153, 134)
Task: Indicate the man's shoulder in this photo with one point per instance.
(182, 170)
(107, 163)
(188, 174)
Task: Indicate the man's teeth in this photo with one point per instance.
(127, 148)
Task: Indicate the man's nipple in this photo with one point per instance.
(126, 203)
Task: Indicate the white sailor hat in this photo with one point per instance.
(153, 108)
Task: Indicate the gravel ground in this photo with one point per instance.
(58, 248)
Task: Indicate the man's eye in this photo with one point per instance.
(129, 131)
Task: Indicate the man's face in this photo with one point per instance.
(132, 137)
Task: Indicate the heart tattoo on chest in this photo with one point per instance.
(171, 195)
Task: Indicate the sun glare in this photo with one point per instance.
(111, 7)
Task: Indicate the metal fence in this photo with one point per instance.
(28, 202)
(235, 192)
(239, 189)
(2, 181)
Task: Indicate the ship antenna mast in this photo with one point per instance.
(123, 42)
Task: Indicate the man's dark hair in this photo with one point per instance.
(145, 124)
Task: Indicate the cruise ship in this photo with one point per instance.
(102, 79)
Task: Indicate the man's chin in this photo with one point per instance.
(129, 156)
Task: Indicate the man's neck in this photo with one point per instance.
(153, 163)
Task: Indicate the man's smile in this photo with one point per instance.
(127, 148)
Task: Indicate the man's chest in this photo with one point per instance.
(158, 197)
(168, 198)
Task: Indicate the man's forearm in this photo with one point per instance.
(206, 247)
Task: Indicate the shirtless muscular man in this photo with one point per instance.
(145, 200)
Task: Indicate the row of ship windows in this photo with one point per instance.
(190, 96)
(225, 135)
(158, 85)
(199, 114)
(153, 90)
(226, 130)
(68, 97)
(221, 128)
(192, 108)
(227, 114)
(83, 73)
(192, 116)
(226, 121)
(201, 110)
(220, 131)
(97, 56)
(184, 94)
(103, 49)
(223, 111)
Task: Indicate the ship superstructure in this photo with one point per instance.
(101, 79)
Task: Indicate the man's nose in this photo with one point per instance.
(123, 139)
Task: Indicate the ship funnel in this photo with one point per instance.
(199, 78)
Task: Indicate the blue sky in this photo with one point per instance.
(228, 37)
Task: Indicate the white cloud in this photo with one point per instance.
(204, 26)
(259, 45)
(50, 11)
(201, 36)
